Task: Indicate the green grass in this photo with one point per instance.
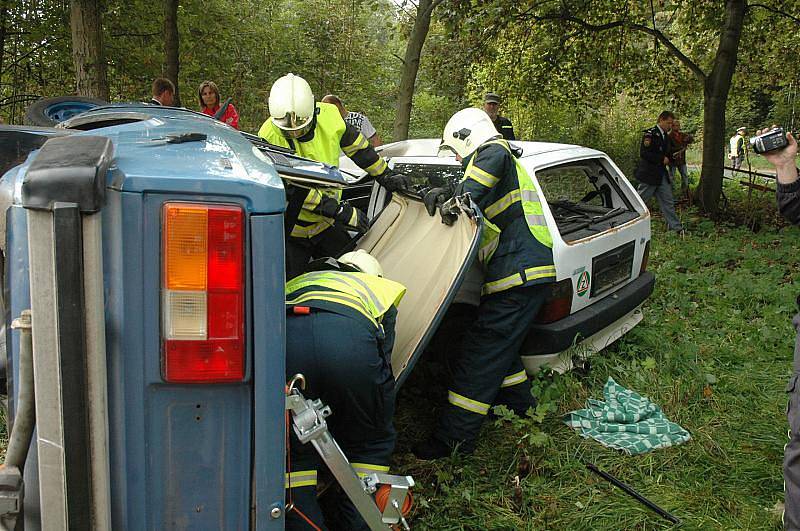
(714, 350)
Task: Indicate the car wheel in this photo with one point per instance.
(47, 112)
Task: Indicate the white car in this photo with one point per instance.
(601, 242)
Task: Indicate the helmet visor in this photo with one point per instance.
(446, 151)
(293, 126)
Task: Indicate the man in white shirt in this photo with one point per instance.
(357, 120)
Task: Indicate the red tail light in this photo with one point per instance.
(202, 309)
(645, 257)
(558, 303)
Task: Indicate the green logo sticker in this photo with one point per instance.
(583, 284)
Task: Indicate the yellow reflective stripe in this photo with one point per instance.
(514, 379)
(467, 403)
(359, 144)
(309, 231)
(377, 167)
(347, 281)
(365, 469)
(503, 203)
(533, 273)
(300, 478)
(483, 177)
(512, 281)
(345, 299)
(353, 222)
(313, 199)
(502, 284)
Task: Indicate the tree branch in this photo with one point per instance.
(597, 28)
(777, 11)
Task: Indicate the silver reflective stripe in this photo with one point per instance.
(502, 284)
(503, 203)
(535, 220)
(365, 469)
(529, 195)
(467, 403)
(301, 478)
(369, 293)
(514, 379)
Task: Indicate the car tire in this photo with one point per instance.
(47, 112)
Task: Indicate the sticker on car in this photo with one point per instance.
(583, 284)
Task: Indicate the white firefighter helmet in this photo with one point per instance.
(363, 261)
(466, 130)
(291, 105)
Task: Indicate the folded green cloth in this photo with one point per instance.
(626, 421)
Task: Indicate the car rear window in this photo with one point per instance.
(584, 198)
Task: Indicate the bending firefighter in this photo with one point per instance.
(518, 264)
(339, 334)
(319, 218)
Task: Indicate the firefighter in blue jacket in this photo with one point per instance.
(518, 260)
(316, 131)
(339, 335)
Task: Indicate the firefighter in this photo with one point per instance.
(339, 335)
(518, 267)
(316, 130)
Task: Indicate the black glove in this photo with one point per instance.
(327, 207)
(434, 199)
(394, 182)
(352, 218)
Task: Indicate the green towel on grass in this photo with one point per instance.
(626, 421)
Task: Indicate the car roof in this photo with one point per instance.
(429, 147)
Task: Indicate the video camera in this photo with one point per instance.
(769, 141)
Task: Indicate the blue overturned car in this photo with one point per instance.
(143, 270)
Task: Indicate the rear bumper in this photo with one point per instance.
(555, 337)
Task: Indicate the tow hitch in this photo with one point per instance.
(308, 421)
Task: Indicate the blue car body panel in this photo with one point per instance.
(182, 456)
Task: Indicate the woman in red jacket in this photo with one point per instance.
(210, 103)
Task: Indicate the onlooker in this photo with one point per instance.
(208, 93)
(788, 195)
(491, 104)
(679, 141)
(738, 146)
(652, 173)
(356, 119)
(163, 92)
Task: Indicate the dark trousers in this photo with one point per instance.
(333, 241)
(791, 453)
(344, 366)
(489, 369)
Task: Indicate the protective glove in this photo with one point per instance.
(394, 182)
(352, 218)
(434, 199)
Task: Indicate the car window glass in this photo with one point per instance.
(430, 175)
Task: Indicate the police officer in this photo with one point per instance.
(651, 171)
(737, 148)
(318, 132)
(491, 104)
(488, 369)
(339, 335)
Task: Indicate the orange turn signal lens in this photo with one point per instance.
(185, 246)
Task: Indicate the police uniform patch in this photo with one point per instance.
(648, 139)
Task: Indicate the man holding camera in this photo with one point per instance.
(788, 194)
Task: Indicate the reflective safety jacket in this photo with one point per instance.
(736, 145)
(516, 247)
(323, 143)
(353, 294)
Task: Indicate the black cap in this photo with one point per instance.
(491, 97)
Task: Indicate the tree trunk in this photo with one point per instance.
(715, 98)
(3, 16)
(171, 45)
(91, 78)
(408, 78)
